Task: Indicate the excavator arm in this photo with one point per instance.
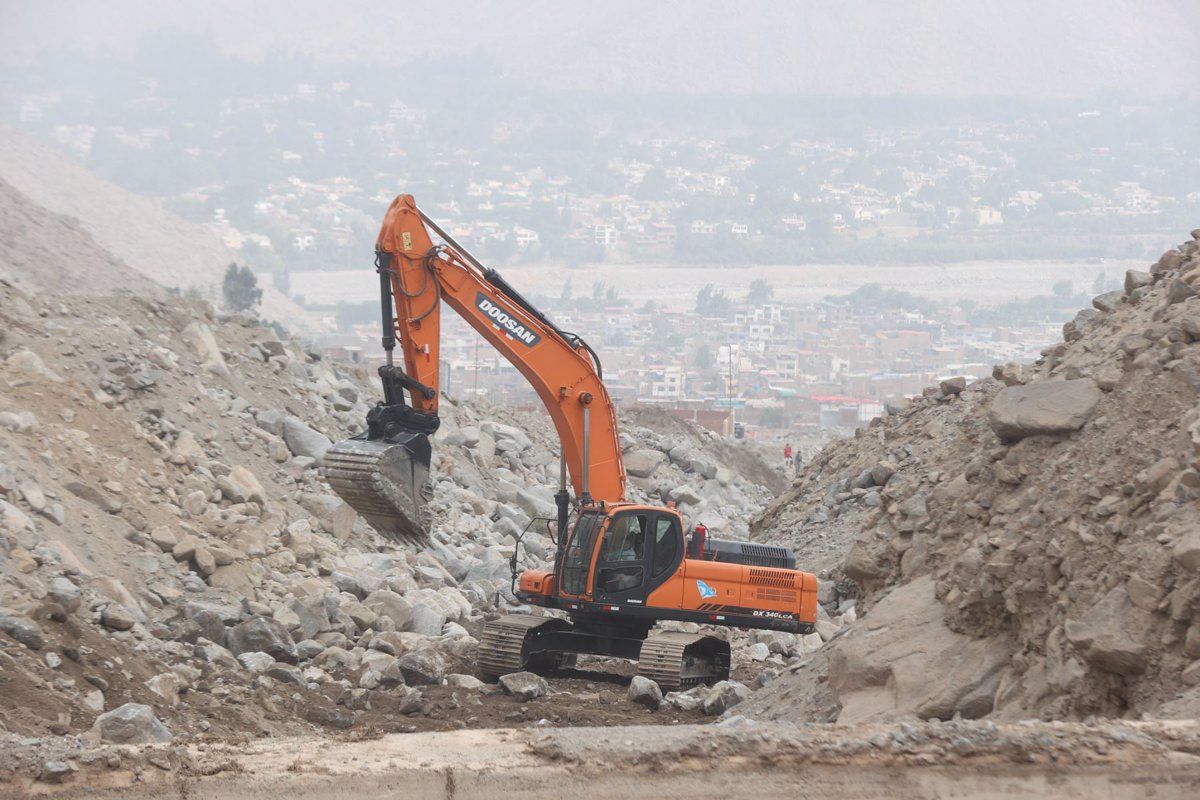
(416, 276)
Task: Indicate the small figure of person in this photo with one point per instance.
(787, 456)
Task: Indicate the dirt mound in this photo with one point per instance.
(1024, 546)
(43, 251)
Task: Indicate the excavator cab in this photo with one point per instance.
(622, 554)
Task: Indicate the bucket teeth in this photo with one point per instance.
(385, 483)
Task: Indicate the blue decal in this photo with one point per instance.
(706, 591)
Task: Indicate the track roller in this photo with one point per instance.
(509, 644)
(681, 660)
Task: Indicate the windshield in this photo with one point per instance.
(579, 552)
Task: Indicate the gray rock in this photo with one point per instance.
(422, 667)
(644, 692)
(524, 686)
(312, 614)
(691, 700)
(309, 648)
(1109, 301)
(338, 659)
(387, 603)
(65, 593)
(303, 440)
(286, 673)
(164, 538)
(117, 617)
(167, 686)
(760, 650)
(882, 472)
(1136, 279)
(411, 700)
(1108, 634)
(470, 682)
(23, 629)
(207, 623)
(1044, 408)
(213, 653)
(953, 385)
(256, 662)
(270, 421)
(724, 696)
(1178, 291)
(346, 583)
(685, 495)
(262, 634)
(132, 723)
(1187, 551)
(427, 619)
(55, 771)
(897, 405)
(644, 463)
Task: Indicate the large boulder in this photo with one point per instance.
(644, 692)
(23, 629)
(902, 659)
(262, 635)
(724, 696)
(1042, 409)
(242, 486)
(644, 463)
(386, 603)
(303, 440)
(1187, 550)
(1108, 634)
(524, 686)
(132, 723)
(422, 667)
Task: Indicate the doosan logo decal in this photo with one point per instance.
(705, 590)
(505, 321)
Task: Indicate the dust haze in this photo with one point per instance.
(525, 393)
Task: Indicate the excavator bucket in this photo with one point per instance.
(385, 481)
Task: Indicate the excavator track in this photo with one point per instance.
(682, 660)
(503, 647)
(383, 483)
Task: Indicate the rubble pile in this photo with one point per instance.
(1024, 546)
(171, 556)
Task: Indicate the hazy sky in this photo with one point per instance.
(952, 47)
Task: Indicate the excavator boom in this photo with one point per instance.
(383, 473)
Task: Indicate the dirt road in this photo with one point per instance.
(735, 759)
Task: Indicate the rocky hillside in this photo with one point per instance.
(1024, 546)
(43, 251)
(166, 539)
(135, 231)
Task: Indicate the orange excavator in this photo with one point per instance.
(620, 567)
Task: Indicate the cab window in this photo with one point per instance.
(625, 539)
(666, 545)
(579, 552)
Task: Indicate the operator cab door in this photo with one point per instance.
(641, 549)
